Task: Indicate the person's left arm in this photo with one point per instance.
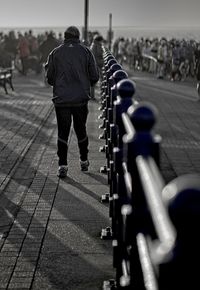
(93, 70)
(50, 70)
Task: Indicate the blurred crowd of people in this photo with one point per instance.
(27, 50)
(174, 59)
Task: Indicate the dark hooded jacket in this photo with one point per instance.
(97, 50)
(71, 70)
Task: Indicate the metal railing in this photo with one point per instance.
(153, 225)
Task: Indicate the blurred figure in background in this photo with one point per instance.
(121, 53)
(97, 50)
(176, 60)
(60, 38)
(33, 43)
(197, 66)
(47, 46)
(24, 52)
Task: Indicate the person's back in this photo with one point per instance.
(75, 73)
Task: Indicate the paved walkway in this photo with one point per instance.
(178, 122)
(50, 228)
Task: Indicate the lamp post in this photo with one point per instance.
(110, 32)
(86, 21)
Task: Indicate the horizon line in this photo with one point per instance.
(103, 26)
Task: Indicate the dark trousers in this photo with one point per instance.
(24, 61)
(64, 117)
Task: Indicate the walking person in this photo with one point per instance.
(71, 69)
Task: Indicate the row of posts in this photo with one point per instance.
(155, 227)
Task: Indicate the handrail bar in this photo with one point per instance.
(149, 175)
(150, 280)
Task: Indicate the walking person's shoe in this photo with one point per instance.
(62, 171)
(84, 165)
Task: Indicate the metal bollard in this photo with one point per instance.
(111, 134)
(126, 90)
(138, 141)
(182, 197)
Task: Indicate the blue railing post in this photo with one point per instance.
(107, 107)
(143, 117)
(104, 114)
(138, 141)
(125, 93)
(182, 197)
(107, 59)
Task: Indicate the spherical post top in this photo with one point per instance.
(108, 57)
(143, 116)
(111, 62)
(182, 195)
(106, 54)
(126, 88)
(119, 75)
(114, 67)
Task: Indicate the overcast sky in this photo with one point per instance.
(145, 13)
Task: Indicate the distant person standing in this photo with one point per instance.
(60, 38)
(33, 43)
(197, 66)
(176, 61)
(24, 52)
(71, 70)
(97, 49)
(121, 53)
(47, 46)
